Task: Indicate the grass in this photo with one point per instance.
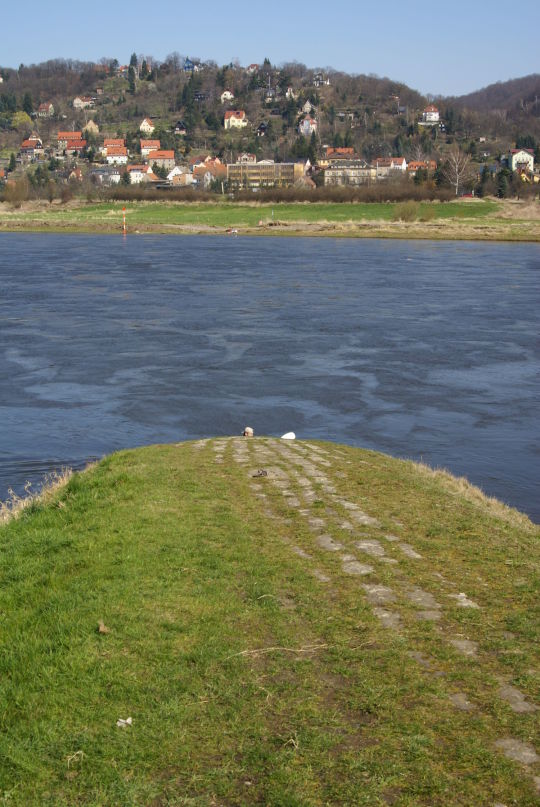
(248, 680)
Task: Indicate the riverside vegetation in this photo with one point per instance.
(285, 624)
(473, 219)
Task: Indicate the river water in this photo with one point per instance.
(424, 350)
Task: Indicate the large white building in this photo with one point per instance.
(521, 160)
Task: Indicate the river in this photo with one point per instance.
(424, 350)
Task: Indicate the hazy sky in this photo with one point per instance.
(448, 49)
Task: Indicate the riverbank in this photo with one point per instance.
(472, 219)
(275, 623)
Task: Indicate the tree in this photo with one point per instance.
(21, 120)
(144, 69)
(457, 168)
(126, 178)
(133, 60)
(27, 103)
(131, 79)
(12, 162)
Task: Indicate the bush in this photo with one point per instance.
(427, 212)
(406, 211)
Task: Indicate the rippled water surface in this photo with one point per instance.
(419, 349)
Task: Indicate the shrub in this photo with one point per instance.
(406, 211)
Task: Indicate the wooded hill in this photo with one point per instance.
(377, 116)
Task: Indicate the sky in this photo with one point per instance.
(437, 48)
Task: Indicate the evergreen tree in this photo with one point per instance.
(133, 60)
(131, 79)
(27, 103)
(12, 162)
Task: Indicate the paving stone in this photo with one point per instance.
(461, 702)
(355, 567)
(420, 597)
(371, 547)
(391, 538)
(323, 578)
(463, 601)
(363, 518)
(516, 699)
(388, 618)
(518, 751)
(301, 553)
(422, 660)
(316, 523)
(428, 614)
(465, 646)
(327, 542)
(378, 595)
(409, 551)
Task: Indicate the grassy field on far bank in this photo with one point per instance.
(348, 629)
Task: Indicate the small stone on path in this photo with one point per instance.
(378, 595)
(327, 542)
(389, 618)
(420, 597)
(465, 646)
(518, 751)
(516, 700)
(463, 601)
(355, 567)
(321, 576)
(409, 551)
(461, 702)
(301, 553)
(372, 548)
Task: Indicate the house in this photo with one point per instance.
(162, 158)
(74, 147)
(290, 94)
(189, 66)
(235, 119)
(140, 173)
(63, 138)
(262, 129)
(335, 154)
(226, 96)
(349, 171)
(421, 165)
(320, 80)
(264, 174)
(180, 128)
(91, 128)
(117, 155)
(307, 126)
(45, 110)
(388, 165)
(430, 116)
(245, 157)
(83, 102)
(149, 145)
(31, 148)
(213, 164)
(308, 106)
(76, 175)
(521, 160)
(252, 68)
(112, 143)
(180, 176)
(147, 126)
(109, 175)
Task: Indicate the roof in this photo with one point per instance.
(31, 143)
(76, 144)
(117, 151)
(153, 144)
(143, 168)
(45, 105)
(161, 155)
(235, 113)
(69, 135)
(147, 120)
(431, 108)
(111, 141)
(516, 151)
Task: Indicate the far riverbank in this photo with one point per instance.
(471, 220)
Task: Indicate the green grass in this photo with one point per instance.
(233, 215)
(184, 566)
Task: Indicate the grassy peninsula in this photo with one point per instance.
(471, 219)
(284, 623)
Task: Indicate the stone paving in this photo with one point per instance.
(304, 484)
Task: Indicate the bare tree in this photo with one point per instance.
(457, 167)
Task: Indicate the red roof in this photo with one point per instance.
(516, 151)
(153, 144)
(235, 113)
(431, 108)
(161, 155)
(75, 145)
(69, 135)
(111, 141)
(32, 143)
(116, 151)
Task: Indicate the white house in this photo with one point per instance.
(235, 119)
(290, 94)
(180, 175)
(117, 155)
(226, 96)
(140, 173)
(149, 145)
(430, 115)
(521, 160)
(83, 102)
(307, 126)
(147, 126)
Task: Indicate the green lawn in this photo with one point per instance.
(227, 214)
(254, 668)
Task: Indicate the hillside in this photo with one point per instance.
(519, 94)
(285, 623)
